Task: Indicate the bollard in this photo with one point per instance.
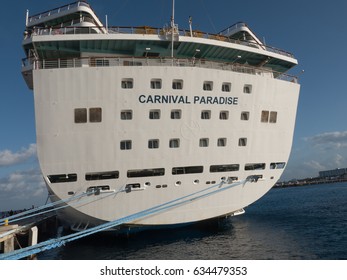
(6, 222)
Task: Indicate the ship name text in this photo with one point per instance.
(184, 99)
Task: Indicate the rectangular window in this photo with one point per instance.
(153, 144)
(154, 114)
(277, 165)
(146, 172)
(226, 87)
(208, 86)
(224, 168)
(93, 176)
(176, 114)
(81, 115)
(95, 115)
(62, 178)
(126, 145)
(255, 166)
(243, 142)
(221, 142)
(102, 62)
(177, 84)
(264, 116)
(224, 115)
(203, 142)
(127, 83)
(247, 89)
(156, 84)
(205, 115)
(273, 117)
(126, 115)
(187, 170)
(244, 116)
(174, 143)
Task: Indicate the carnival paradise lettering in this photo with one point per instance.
(183, 99)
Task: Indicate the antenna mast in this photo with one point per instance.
(172, 28)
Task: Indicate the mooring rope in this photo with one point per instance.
(58, 242)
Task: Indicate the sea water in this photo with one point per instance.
(308, 222)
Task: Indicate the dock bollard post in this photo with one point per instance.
(6, 222)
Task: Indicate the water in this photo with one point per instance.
(293, 223)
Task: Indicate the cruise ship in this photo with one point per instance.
(135, 118)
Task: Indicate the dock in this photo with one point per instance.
(26, 232)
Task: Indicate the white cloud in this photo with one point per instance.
(8, 157)
(22, 189)
(335, 139)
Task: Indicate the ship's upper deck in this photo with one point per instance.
(74, 31)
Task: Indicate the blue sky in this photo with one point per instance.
(314, 31)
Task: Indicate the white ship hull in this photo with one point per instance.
(65, 147)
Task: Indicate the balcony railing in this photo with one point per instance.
(161, 32)
(29, 64)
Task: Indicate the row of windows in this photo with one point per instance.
(154, 172)
(177, 114)
(177, 84)
(95, 115)
(175, 143)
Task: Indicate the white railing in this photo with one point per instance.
(57, 11)
(72, 30)
(133, 61)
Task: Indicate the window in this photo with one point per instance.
(146, 172)
(244, 116)
(177, 84)
(226, 87)
(255, 166)
(264, 116)
(127, 83)
(174, 143)
(156, 83)
(176, 114)
(126, 145)
(102, 175)
(153, 144)
(126, 115)
(273, 117)
(224, 168)
(187, 170)
(205, 115)
(208, 86)
(80, 115)
(62, 178)
(221, 142)
(102, 62)
(154, 114)
(95, 115)
(243, 142)
(224, 115)
(203, 142)
(247, 89)
(277, 165)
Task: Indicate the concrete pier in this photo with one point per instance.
(7, 234)
(26, 233)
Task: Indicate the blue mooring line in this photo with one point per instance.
(58, 242)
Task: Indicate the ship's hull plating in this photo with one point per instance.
(237, 137)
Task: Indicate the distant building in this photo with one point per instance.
(333, 173)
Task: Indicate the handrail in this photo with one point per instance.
(58, 10)
(147, 30)
(162, 61)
